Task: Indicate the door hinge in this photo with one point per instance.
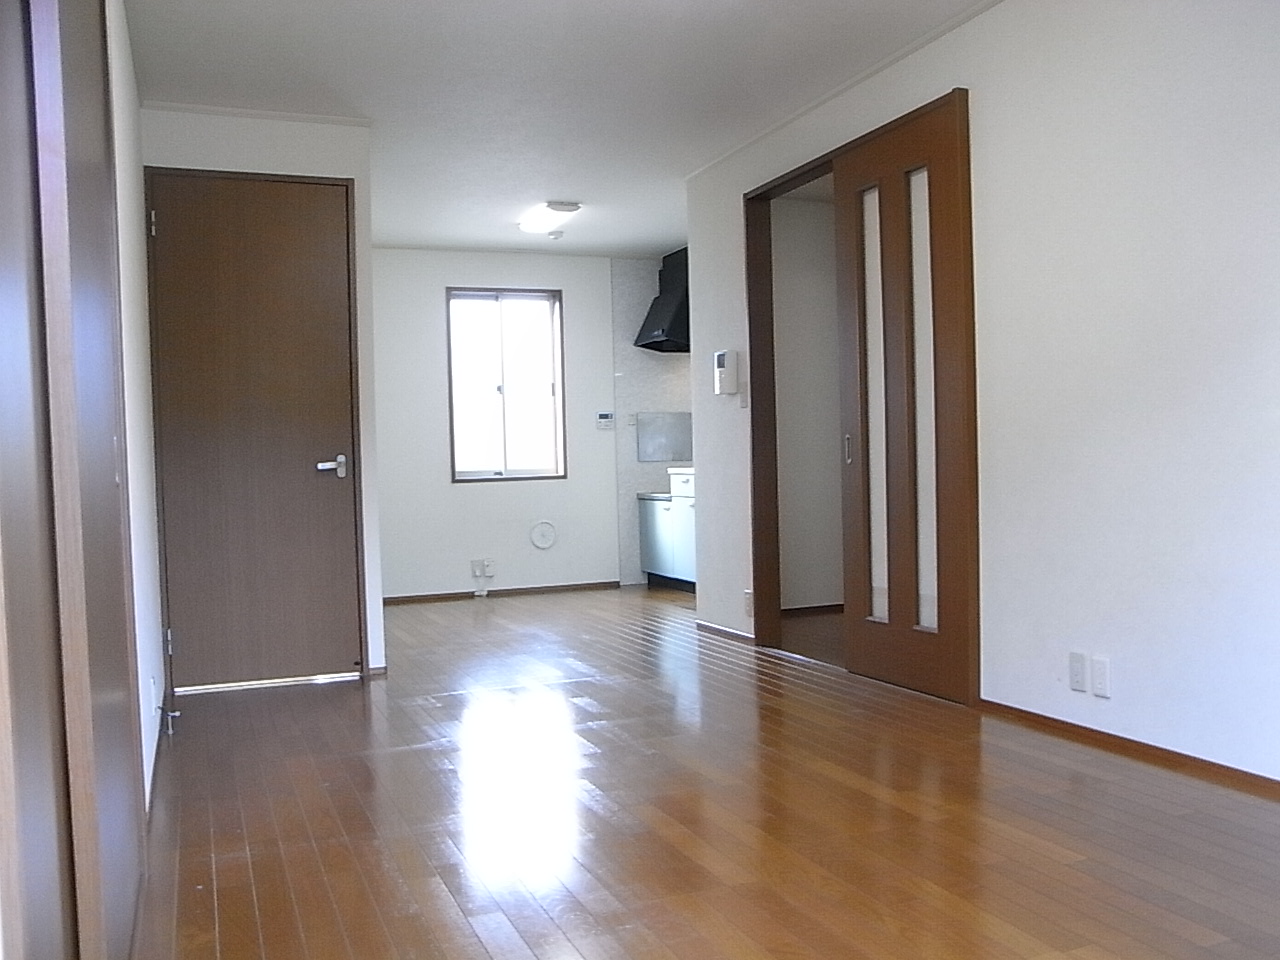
(152, 222)
(168, 641)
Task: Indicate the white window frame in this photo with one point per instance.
(550, 471)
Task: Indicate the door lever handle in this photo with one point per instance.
(338, 463)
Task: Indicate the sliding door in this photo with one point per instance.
(909, 444)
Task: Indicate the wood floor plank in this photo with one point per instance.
(596, 922)
(722, 933)
(277, 915)
(409, 929)
(322, 929)
(537, 927)
(239, 923)
(357, 911)
(195, 913)
(456, 937)
(500, 938)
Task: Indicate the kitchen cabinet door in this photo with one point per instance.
(666, 538)
(683, 551)
(655, 537)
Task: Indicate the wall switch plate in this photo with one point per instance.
(749, 602)
(488, 568)
(1076, 669)
(1101, 676)
(477, 568)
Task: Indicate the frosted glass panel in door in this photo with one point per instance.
(876, 431)
(926, 443)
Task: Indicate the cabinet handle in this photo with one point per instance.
(848, 449)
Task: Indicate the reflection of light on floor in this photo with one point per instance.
(518, 764)
(678, 662)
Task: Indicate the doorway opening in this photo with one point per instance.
(864, 485)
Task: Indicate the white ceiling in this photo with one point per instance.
(480, 108)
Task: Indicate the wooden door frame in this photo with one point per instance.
(766, 579)
(79, 264)
(348, 185)
(37, 866)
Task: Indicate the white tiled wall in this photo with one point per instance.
(644, 380)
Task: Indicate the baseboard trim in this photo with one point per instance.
(1254, 784)
(725, 632)
(265, 684)
(503, 592)
(425, 598)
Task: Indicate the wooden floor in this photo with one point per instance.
(585, 776)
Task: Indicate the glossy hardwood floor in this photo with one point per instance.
(585, 776)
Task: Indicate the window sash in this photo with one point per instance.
(506, 367)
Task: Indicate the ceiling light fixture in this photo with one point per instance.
(547, 217)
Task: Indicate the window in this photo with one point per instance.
(506, 384)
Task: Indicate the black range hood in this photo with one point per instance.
(666, 326)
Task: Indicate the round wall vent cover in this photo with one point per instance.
(543, 535)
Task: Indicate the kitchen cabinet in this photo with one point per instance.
(667, 545)
(684, 557)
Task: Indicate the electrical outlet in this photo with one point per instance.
(477, 568)
(749, 602)
(488, 568)
(1076, 669)
(1101, 677)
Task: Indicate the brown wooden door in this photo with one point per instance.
(251, 302)
(910, 479)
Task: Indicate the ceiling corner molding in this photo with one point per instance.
(167, 107)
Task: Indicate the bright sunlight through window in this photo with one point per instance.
(505, 381)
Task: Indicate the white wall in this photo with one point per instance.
(645, 381)
(136, 349)
(260, 144)
(1127, 231)
(807, 372)
(432, 527)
